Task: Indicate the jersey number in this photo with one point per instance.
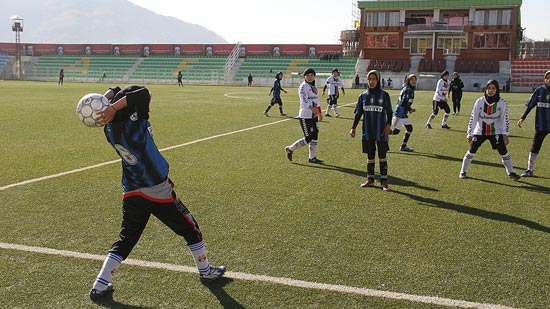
(126, 155)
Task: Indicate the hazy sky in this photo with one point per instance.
(297, 21)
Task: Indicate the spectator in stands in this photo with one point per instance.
(61, 77)
(103, 75)
(541, 100)
(402, 110)
(356, 81)
(308, 118)
(489, 121)
(456, 86)
(180, 77)
(250, 80)
(374, 105)
(276, 90)
(334, 83)
(440, 101)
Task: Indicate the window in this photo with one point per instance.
(492, 17)
(417, 44)
(452, 43)
(492, 40)
(383, 40)
(382, 19)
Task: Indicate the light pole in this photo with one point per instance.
(17, 27)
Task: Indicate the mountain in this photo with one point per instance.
(97, 21)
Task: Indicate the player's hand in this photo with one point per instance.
(506, 140)
(285, 91)
(520, 122)
(412, 110)
(387, 130)
(106, 116)
(352, 133)
(469, 139)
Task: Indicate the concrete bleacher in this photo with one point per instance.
(528, 73)
(82, 67)
(477, 66)
(393, 65)
(266, 67)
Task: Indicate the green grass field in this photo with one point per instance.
(483, 240)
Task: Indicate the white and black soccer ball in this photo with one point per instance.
(89, 106)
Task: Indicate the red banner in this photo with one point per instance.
(161, 49)
(129, 49)
(100, 49)
(256, 50)
(290, 50)
(190, 49)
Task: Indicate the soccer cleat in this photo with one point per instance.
(406, 149)
(315, 160)
(514, 176)
(283, 114)
(385, 185)
(445, 126)
(215, 273)
(266, 114)
(97, 295)
(454, 114)
(428, 126)
(458, 113)
(462, 176)
(368, 184)
(328, 115)
(337, 115)
(288, 153)
(527, 173)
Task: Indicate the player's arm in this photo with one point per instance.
(357, 117)
(530, 105)
(389, 113)
(343, 91)
(324, 88)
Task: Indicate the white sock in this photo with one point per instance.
(335, 107)
(199, 254)
(432, 116)
(312, 149)
(507, 161)
(298, 144)
(468, 157)
(445, 117)
(532, 160)
(328, 109)
(110, 265)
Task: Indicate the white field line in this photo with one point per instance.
(268, 279)
(118, 160)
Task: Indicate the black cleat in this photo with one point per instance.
(96, 295)
(445, 126)
(428, 126)
(514, 176)
(288, 153)
(315, 160)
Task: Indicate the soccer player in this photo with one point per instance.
(147, 189)
(440, 101)
(456, 86)
(309, 99)
(276, 90)
(489, 121)
(180, 76)
(402, 109)
(374, 106)
(541, 99)
(61, 77)
(334, 82)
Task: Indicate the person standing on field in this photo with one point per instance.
(541, 100)
(334, 83)
(276, 90)
(489, 121)
(456, 92)
(402, 109)
(440, 101)
(147, 189)
(309, 100)
(374, 106)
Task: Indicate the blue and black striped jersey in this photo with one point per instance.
(541, 100)
(375, 107)
(406, 99)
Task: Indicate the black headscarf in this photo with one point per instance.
(496, 97)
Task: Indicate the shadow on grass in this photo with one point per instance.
(490, 215)
(525, 185)
(225, 299)
(449, 158)
(109, 302)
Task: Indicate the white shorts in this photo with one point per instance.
(398, 123)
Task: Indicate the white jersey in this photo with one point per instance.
(308, 98)
(489, 118)
(334, 84)
(441, 90)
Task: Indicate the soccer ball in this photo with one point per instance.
(89, 106)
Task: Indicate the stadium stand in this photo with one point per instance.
(193, 68)
(393, 65)
(3, 61)
(528, 73)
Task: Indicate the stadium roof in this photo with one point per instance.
(409, 4)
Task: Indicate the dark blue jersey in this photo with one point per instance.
(142, 164)
(276, 88)
(375, 107)
(406, 99)
(541, 100)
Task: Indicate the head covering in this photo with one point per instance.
(496, 97)
(547, 72)
(444, 73)
(309, 70)
(375, 72)
(279, 73)
(408, 79)
(456, 73)
(335, 70)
